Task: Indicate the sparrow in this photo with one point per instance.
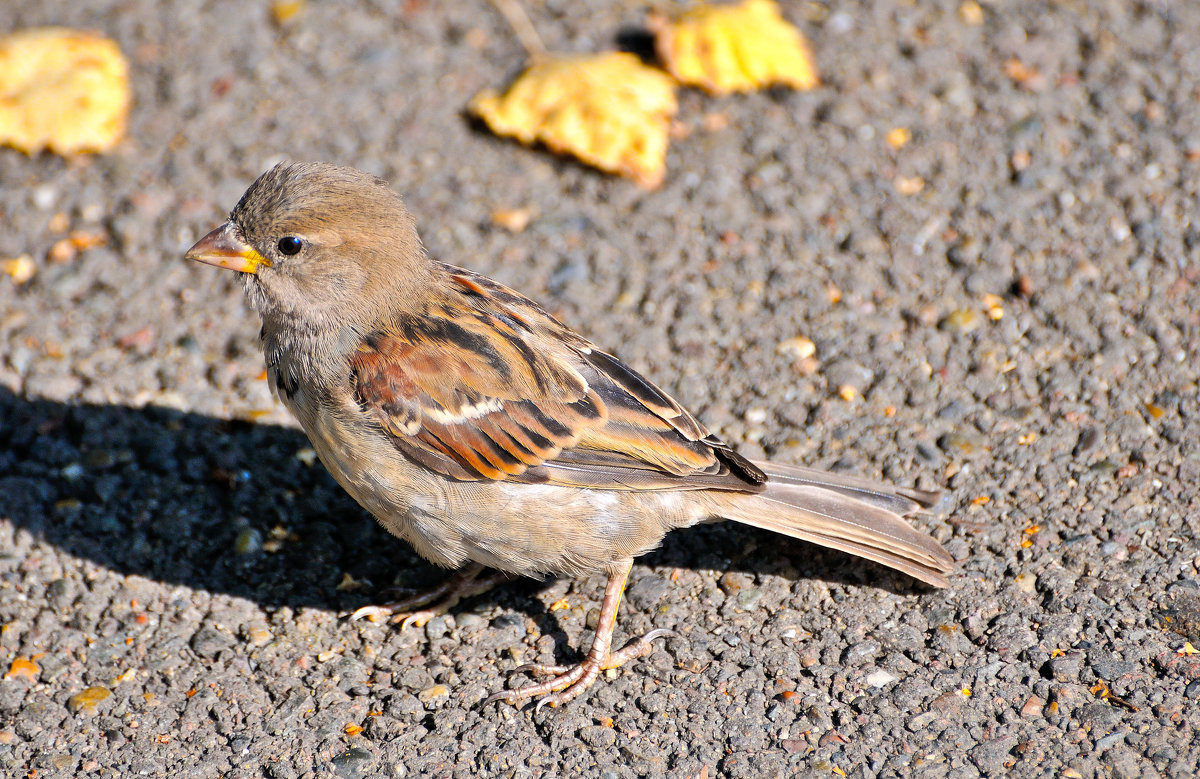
(488, 435)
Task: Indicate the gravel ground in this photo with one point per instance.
(1022, 332)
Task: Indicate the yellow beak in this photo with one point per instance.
(224, 249)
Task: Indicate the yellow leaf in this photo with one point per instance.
(608, 109)
(62, 90)
(735, 48)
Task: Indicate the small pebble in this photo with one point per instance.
(88, 702)
(880, 678)
(249, 541)
(961, 321)
(430, 694)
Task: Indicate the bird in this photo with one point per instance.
(487, 434)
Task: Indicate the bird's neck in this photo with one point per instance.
(296, 351)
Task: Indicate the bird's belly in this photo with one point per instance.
(527, 529)
(539, 529)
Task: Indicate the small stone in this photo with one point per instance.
(249, 541)
(438, 627)
(100, 458)
(647, 591)
(208, 642)
(88, 702)
(747, 600)
(354, 763)
(20, 269)
(1032, 707)
(994, 757)
(258, 636)
(732, 583)
(1098, 715)
(1088, 438)
(880, 678)
(72, 472)
(860, 653)
(921, 721)
(430, 694)
(961, 321)
(598, 736)
(798, 348)
(960, 442)
(1065, 668)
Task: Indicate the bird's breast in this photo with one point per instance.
(528, 529)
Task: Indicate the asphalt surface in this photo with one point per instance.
(1020, 326)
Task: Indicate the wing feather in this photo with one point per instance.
(490, 386)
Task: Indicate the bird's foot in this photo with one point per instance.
(571, 681)
(418, 609)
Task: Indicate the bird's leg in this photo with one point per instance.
(443, 597)
(570, 682)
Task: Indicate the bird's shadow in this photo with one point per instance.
(230, 507)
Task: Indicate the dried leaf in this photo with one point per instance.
(609, 110)
(735, 48)
(62, 90)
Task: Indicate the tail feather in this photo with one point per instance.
(851, 515)
(901, 500)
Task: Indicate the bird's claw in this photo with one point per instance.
(571, 681)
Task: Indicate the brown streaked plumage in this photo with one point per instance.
(480, 429)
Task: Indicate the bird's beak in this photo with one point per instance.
(223, 248)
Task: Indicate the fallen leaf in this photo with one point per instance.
(734, 48)
(62, 90)
(608, 109)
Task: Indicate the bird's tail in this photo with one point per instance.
(854, 515)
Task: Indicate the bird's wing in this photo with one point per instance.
(490, 386)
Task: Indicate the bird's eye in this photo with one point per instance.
(289, 245)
